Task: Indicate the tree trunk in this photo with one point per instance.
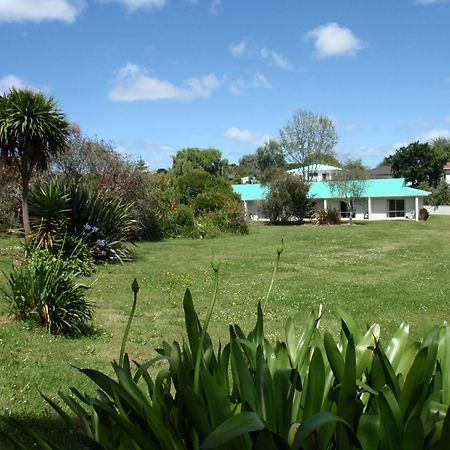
(25, 214)
(350, 213)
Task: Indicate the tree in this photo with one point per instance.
(307, 139)
(349, 184)
(269, 160)
(287, 199)
(419, 162)
(32, 129)
(208, 159)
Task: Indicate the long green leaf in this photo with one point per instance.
(233, 427)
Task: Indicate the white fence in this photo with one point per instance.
(441, 210)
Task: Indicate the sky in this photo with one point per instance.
(156, 76)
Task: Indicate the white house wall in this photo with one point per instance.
(379, 206)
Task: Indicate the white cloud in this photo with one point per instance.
(434, 133)
(236, 87)
(364, 152)
(39, 10)
(276, 58)
(260, 81)
(246, 136)
(333, 40)
(215, 7)
(430, 2)
(155, 155)
(133, 83)
(133, 5)
(239, 49)
(9, 81)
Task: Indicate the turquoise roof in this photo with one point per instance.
(251, 191)
(389, 187)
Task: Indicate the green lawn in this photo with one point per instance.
(378, 271)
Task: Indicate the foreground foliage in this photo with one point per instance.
(307, 392)
(43, 290)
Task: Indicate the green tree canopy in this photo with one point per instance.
(419, 162)
(32, 129)
(308, 139)
(207, 159)
(349, 184)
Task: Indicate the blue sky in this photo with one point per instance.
(154, 76)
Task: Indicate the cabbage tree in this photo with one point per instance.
(32, 129)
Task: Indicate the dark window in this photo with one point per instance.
(345, 213)
(396, 208)
(324, 176)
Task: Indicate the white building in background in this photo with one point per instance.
(316, 172)
(447, 173)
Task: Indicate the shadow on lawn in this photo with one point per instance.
(51, 427)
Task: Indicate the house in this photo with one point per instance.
(253, 196)
(382, 199)
(316, 172)
(447, 172)
(380, 172)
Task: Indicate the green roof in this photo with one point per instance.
(389, 187)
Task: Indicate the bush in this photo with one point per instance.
(197, 205)
(287, 199)
(328, 217)
(423, 214)
(307, 392)
(42, 289)
(63, 207)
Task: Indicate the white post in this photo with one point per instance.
(325, 203)
(246, 210)
(417, 209)
(369, 207)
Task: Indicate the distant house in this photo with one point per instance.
(250, 179)
(447, 172)
(316, 172)
(381, 172)
(383, 199)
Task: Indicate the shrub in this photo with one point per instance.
(328, 217)
(307, 392)
(287, 199)
(42, 289)
(423, 214)
(63, 207)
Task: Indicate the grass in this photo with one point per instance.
(377, 271)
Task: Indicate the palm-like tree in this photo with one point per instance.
(32, 129)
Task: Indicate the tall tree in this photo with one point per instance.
(307, 139)
(349, 184)
(32, 129)
(419, 162)
(207, 159)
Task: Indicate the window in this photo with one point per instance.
(324, 176)
(345, 213)
(396, 208)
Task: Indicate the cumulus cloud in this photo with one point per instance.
(133, 5)
(260, 81)
(39, 10)
(434, 133)
(133, 83)
(9, 81)
(276, 58)
(332, 40)
(246, 136)
(239, 49)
